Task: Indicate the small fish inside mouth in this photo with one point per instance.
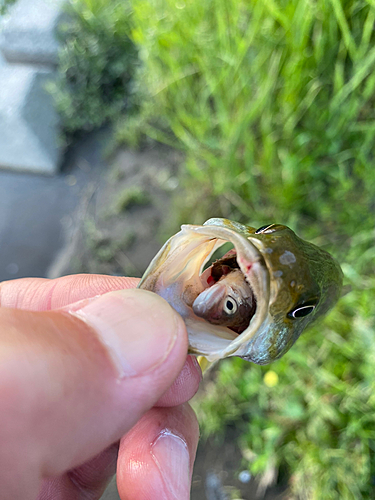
(228, 300)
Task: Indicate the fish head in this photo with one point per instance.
(292, 282)
(305, 282)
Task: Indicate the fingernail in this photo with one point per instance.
(171, 455)
(138, 328)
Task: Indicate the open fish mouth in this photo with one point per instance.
(178, 274)
(255, 301)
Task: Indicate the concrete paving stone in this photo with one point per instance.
(28, 121)
(38, 211)
(28, 33)
(2, 59)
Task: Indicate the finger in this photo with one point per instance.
(86, 482)
(185, 385)
(156, 457)
(39, 294)
(90, 480)
(73, 383)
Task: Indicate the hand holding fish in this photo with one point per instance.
(89, 383)
(90, 380)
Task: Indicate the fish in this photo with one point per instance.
(256, 300)
(228, 302)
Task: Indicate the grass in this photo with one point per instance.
(272, 103)
(4, 6)
(313, 411)
(131, 197)
(96, 65)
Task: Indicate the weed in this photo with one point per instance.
(131, 197)
(273, 105)
(4, 5)
(96, 65)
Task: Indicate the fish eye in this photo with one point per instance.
(269, 228)
(301, 311)
(230, 306)
(262, 228)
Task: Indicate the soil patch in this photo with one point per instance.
(123, 217)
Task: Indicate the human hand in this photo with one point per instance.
(78, 373)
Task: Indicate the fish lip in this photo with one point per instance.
(255, 270)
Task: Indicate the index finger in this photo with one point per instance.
(41, 294)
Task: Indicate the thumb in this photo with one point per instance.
(73, 381)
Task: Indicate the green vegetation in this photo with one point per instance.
(273, 104)
(130, 197)
(313, 411)
(271, 101)
(4, 5)
(96, 65)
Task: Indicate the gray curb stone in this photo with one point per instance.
(28, 36)
(28, 121)
(29, 124)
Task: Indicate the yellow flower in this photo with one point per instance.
(271, 379)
